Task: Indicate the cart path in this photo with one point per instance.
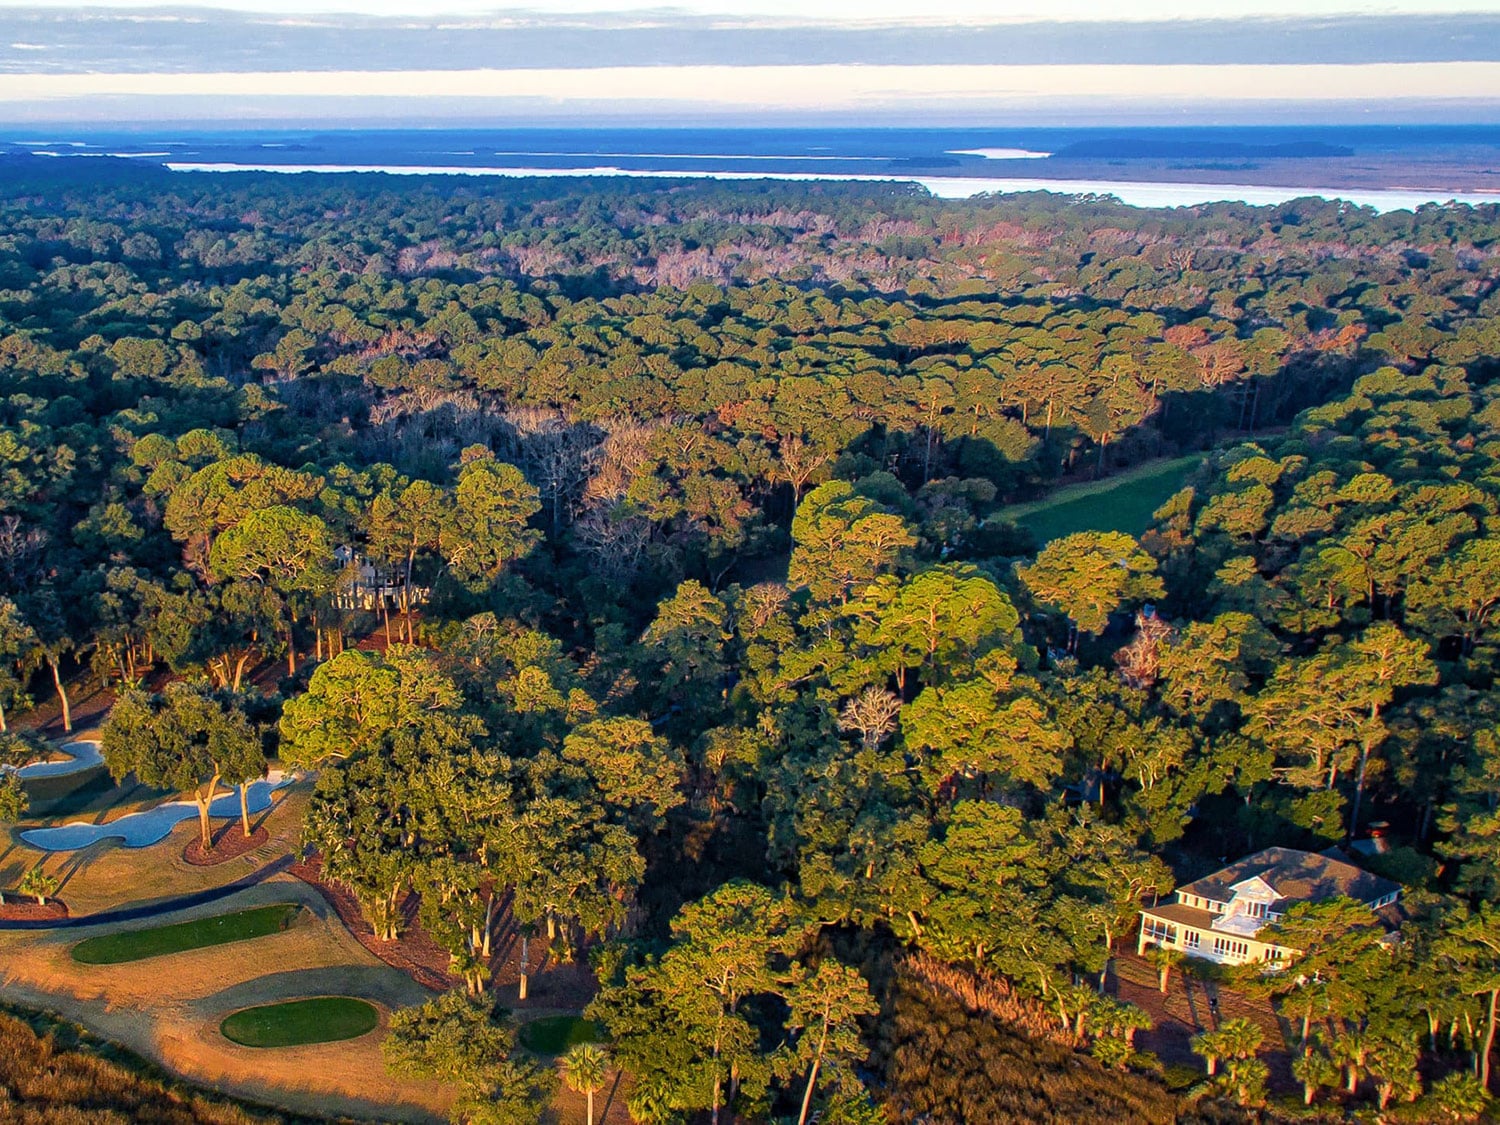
(153, 910)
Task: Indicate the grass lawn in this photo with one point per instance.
(553, 1035)
(1123, 502)
(133, 945)
(293, 1023)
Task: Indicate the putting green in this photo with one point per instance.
(552, 1035)
(294, 1023)
(135, 945)
(1124, 502)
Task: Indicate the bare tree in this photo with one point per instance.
(872, 713)
(21, 550)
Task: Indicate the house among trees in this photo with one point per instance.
(1218, 917)
(372, 587)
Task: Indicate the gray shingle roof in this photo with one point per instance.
(1296, 877)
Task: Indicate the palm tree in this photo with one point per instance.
(1165, 958)
(39, 885)
(1352, 1051)
(1242, 1038)
(1314, 1070)
(1211, 1046)
(1237, 1039)
(584, 1068)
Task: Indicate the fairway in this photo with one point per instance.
(1124, 502)
(294, 1023)
(134, 945)
(552, 1035)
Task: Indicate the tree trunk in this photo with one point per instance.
(245, 809)
(2, 718)
(812, 1076)
(62, 695)
(1359, 784)
(1489, 1040)
(291, 651)
(589, 1093)
(204, 798)
(411, 558)
(525, 957)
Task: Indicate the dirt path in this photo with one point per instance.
(1190, 1006)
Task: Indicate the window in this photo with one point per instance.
(1160, 932)
(1226, 947)
(1255, 909)
(1190, 939)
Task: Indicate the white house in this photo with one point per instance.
(1220, 916)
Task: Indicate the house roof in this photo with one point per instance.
(1295, 877)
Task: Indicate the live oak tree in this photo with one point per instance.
(937, 622)
(461, 1042)
(1470, 946)
(403, 524)
(1340, 956)
(1089, 575)
(287, 550)
(1326, 712)
(843, 541)
(187, 740)
(356, 699)
(19, 654)
(721, 955)
(486, 530)
(636, 773)
(992, 728)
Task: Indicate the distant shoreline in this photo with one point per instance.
(1386, 167)
(1133, 193)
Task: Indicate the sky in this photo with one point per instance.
(871, 61)
(847, 11)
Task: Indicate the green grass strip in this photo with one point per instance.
(553, 1035)
(294, 1023)
(134, 945)
(1124, 502)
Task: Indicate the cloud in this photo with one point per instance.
(825, 88)
(844, 12)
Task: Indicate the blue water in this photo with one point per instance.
(807, 150)
(1216, 163)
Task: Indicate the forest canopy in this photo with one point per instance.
(634, 555)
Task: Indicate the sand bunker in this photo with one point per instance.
(140, 830)
(82, 756)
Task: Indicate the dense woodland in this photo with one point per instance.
(703, 656)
